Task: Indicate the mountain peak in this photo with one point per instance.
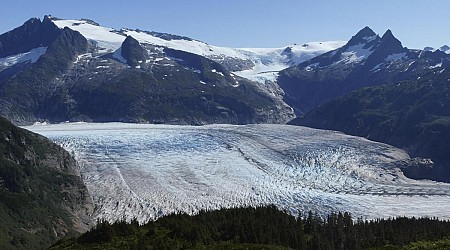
(362, 36)
(33, 20)
(48, 17)
(32, 34)
(388, 35)
(365, 32)
(390, 43)
(444, 48)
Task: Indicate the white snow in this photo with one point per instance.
(311, 66)
(106, 38)
(439, 65)
(28, 57)
(391, 59)
(195, 47)
(444, 48)
(268, 61)
(262, 72)
(146, 171)
(356, 53)
(217, 72)
(118, 55)
(395, 57)
(409, 65)
(369, 39)
(83, 57)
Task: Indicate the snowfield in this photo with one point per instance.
(267, 62)
(28, 57)
(146, 171)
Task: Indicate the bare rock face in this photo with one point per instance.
(33, 33)
(133, 52)
(42, 195)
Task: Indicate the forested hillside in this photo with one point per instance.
(42, 196)
(414, 115)
(262, 228)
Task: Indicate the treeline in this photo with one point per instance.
(262, 227)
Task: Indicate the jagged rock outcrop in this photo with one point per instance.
(133, 52)
(32, 34)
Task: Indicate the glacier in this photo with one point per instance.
(145, 171)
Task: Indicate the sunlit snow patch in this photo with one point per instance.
(105, 38)
(28, 57)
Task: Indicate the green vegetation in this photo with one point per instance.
(262, 228)
(420, 245)
(39, 190)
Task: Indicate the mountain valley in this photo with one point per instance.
(142, 124)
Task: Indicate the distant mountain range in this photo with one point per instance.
(366, 60)
(76, 70)
(59, 70)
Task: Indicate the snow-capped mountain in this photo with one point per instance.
(367, 59)
(407, 104)
(258, 64)
(444, 48)
(59, 70)
(215, 166)
(72, 69)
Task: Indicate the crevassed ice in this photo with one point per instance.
(146, 171)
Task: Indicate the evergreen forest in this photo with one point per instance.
(265, 228)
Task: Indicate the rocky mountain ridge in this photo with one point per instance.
(366, 60)
(93, 73)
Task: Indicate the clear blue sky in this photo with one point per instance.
(252, 23)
